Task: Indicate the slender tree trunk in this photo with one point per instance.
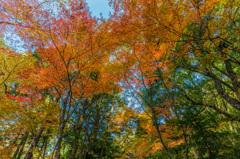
(74, 148)
(75, 143)
(233, 77)
(84, 138)
(154, 119)
(14, 142)
(101, 154)
(185, 138)
(162, 141)
(184, 132)
(96, 124)
(108, 122)
(44, 149)
(34, 143)
(62, 124)
(59, 143)
(22, 147)
(24, 138)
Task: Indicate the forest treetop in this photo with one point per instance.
(158, 79)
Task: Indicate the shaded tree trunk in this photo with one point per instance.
(61, 125)
(34, 143)
(22, 147)
(84, 138)
(45, 149)
(75, 143)
(78, 129)
(21, 144)
(154, 119)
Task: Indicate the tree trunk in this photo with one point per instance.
(22, 147)
(34, 143)
(161, 139)
(22, 143)
(101, 154)
(75, 143)
(59, 143)
(62, 124)
(45, 148)
(154, 120)
(84, 138)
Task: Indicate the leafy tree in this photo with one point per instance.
(158, 79)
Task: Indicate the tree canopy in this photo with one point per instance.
(158, 79)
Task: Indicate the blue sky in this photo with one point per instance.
(99, 6)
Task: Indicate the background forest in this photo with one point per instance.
(158, 79)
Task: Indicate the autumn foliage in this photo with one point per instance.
(158, 79)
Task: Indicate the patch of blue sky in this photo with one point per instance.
(12, 40)
(100, 8)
